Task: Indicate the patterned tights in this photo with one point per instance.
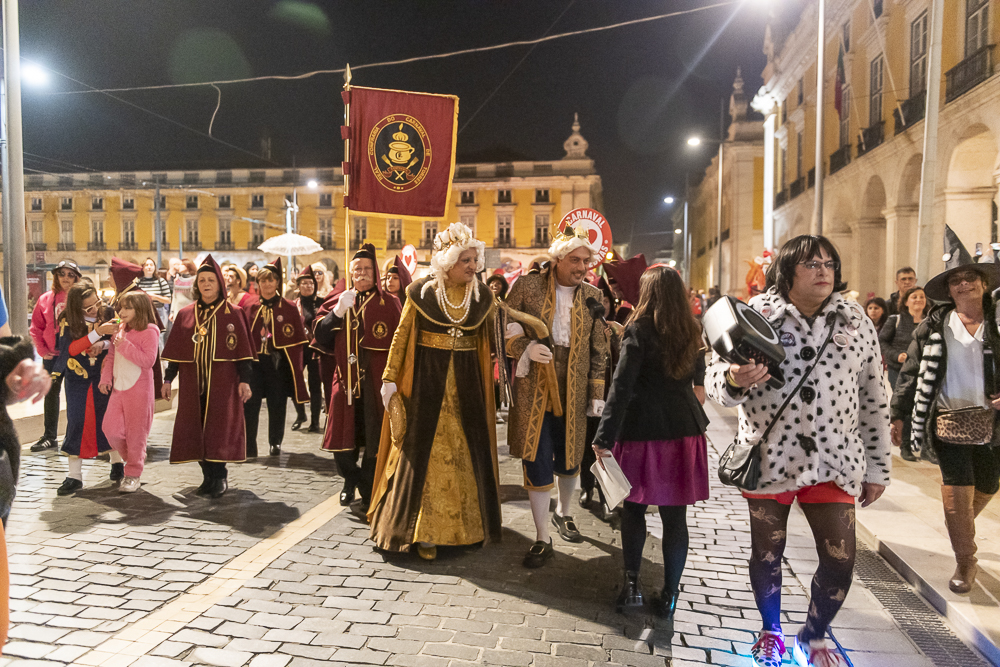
(833, 529)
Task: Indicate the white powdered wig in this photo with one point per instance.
(448, 245)
(564, 245)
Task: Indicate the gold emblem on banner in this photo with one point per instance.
(231, 341)
(380, 330)
(399, 152)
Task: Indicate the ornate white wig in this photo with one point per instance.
(563, 244)
(448, 245)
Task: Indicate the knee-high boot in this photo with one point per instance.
(960, 518)
(980, 501)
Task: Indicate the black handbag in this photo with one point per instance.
(739, 465)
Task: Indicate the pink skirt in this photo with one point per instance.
(665, 472)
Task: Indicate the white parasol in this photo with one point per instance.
(290, 244)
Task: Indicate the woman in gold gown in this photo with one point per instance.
(438, 483)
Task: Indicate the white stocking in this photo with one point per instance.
(567, 488)
(540, 513)
(116, 457)
(75, 468)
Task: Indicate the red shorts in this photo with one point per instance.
(827, 492)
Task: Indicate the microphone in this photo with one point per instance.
(596, 309)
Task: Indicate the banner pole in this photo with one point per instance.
(347, 232)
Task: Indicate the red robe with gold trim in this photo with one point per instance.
(288, 337)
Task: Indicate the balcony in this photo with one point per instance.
(541, 241)
(164, 245)
(128, 245)
(780, 199)
(68, 247)
(255, 242)
(871, 138)
(192, 245)
(224, 245)
(426, 244)
(913, 112)
(797, 187)
(328, 244)
(840, 158)
(37, 247)
(503, 242)
(395, 245)
(969, 73)
(96, 245)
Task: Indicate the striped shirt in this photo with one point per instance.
(156, 286)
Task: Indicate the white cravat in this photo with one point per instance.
(562, 323)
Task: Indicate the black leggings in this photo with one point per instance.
(969, 465)
(833, 529)
(674, 542)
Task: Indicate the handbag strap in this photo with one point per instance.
(819, 355)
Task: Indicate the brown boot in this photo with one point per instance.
(960, 519)
(979, 502)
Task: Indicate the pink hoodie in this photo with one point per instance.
(43, 321)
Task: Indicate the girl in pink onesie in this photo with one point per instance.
(128, 369)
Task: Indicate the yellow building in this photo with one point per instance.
(91, 217)
(873, 147)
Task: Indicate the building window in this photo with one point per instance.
(36, 203)
(846, 37)
(541, 230)
(800, 93)
(128, 232)
(395, 232)
(782, 168)
(191, 227)
(468, 196)
(541, 196)
(97, 232)
(97, 203)
(225, 201)
(128, 203)
(845, 117)
(191, 201)
(162, 203)
(504, 228)
(503, 197)
(918, 55)
(256, 233)
(430, 231)
(37, 237)
(326, 200)
(977, 25)
(875, 93)
(469, 221)
(225, 230)
(66, 231)
(326, 232)
(256, 201)
(799, 147)
(360, 230)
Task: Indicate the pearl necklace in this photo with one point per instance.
(445, 303)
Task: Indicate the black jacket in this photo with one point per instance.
(644, 402)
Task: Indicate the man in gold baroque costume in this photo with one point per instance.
(549, 438)
(438, 482)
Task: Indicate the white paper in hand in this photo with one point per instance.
(612, 480)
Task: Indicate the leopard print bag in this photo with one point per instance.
(966, 426)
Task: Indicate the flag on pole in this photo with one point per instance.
(402, 152)
(838, 86)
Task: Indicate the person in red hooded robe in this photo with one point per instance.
(358, 325)
(278, 339)
(623, 277)
(308, 304)
(397, 278)
(209, 347)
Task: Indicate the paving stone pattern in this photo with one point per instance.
(85, 567)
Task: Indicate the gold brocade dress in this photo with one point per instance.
(441, 489)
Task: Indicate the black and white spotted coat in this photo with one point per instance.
(837, 428)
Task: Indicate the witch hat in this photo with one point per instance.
(957, 258)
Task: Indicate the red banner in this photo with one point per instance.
(402, 152)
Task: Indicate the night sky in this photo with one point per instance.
(639, 90)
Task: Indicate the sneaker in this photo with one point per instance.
(129, 485)
(769, 650)
(816, 654)
(43, 444)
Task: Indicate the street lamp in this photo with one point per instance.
(34, 75)
(313, 184)
(668, 200)
(694, 141)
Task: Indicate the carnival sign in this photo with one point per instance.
(597, 227)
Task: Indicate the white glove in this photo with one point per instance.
(388, 389)
(539, 352)
(513, 329)
(345, 302)
(596, 408)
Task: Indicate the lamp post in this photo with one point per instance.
(817, 221)
(15, 250)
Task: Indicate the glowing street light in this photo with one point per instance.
(313, 184)
(668, 200)
(678, 231)
(694, 141)
(34, 75)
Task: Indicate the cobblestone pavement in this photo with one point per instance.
(275, 574)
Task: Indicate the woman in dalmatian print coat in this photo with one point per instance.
(829, 447)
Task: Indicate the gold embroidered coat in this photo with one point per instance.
(535, 294)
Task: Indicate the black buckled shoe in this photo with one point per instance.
(567, 528)
(538, 554)
(315, 428)
(586, 497)
(43, 444)
(251, 450)
(665, 604)
(275, 450)
(219, 487)
(117, 472)
(630, 596)
(205, 488)
(297, 424)
(346, 497)
(69, 486)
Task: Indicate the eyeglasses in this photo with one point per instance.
(318, 273)
(816, 266)
(92, 308)
(964, 277)
(66, 274)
